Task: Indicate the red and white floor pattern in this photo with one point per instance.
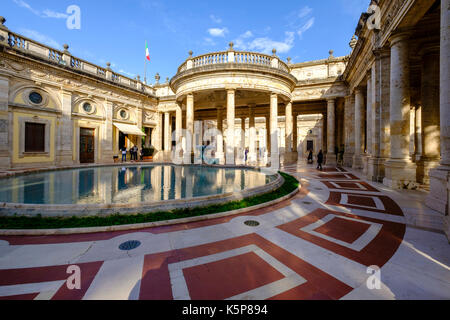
(318, 245)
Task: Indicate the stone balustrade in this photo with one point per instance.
(236, 57)
(65, 59)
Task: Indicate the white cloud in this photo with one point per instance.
(215, 19)
(266, 45)
(217, 32)
(47, 13)
(304, 12)
(308, 25)
(52, 14)
(247, 34)
(130, 75)
(209, 42)
(33, 34)
(240, 42)
(25, 5)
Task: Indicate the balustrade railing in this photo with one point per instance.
(31, 47)
(238, 57)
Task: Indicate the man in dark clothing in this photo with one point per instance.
(320, 160)
(310, 157)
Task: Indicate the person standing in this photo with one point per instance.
(310, 157)
(320, 160)
(124, 154)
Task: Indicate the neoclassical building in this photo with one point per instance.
(385, 106)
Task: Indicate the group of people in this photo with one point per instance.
(133, 152)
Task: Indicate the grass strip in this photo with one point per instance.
(39, 222)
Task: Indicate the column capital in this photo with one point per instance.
(273, 95)
(383, 52)
(230, 89)
(399, 37)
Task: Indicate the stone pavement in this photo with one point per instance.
(322, 244)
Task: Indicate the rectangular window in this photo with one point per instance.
(34, 137)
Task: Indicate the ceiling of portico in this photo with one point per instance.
(213, 99)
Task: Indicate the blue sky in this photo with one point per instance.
(116, 31)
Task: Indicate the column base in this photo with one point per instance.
(375, 169)
(438, 198)
(220, 156)
(65, 158)
(290, 157)
(107, 157)
(400, 174)
(365, 162)
(230, 160)
(357, 162)
(424, 166)
(5, 162)
(252, 159)
(348, 160)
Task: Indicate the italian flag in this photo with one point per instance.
(147, 52)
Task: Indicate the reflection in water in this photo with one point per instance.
(109, 185)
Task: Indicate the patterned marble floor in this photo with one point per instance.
(322, 244)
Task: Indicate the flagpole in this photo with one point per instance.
(145, 68)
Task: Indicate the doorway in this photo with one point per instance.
(87, 145)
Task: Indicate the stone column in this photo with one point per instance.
(5, 146)
(295, 133)
(331, 132)
(187, 156)
(274, 150)
(359, 143)
(368, 150)
(179, 123)
(268, 139)
(178, 134)
(375, 168)
(349, 131)
(107, 140)
(230, 126)
(400, 170)
(430, 124)
(139, 124)
(252, 156)
(243, 144)
(65, 148)
(219, 153)
(438, 199)
(418, 137)
(240, 156)
(167, 137)
(198, 141)
(289, 127)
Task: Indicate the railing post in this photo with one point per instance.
(275, 62)
(138, 83)
(231, 53)
(109, 73)
(189, 62)
(66, 55)
(4, 34)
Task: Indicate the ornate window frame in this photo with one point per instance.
(47, 123)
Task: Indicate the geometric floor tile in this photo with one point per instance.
(364, 240)
(354, 185)
(45, 282)
(375, 203)
(247, 267)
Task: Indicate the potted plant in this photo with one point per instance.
(148, 153)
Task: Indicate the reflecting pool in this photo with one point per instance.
(117, 185)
